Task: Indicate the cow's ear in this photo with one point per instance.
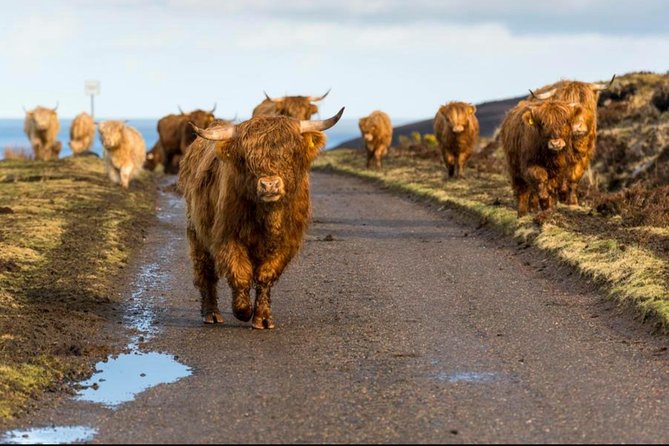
(528, 119)
(223, 149)
(472, 109)
(315, 142)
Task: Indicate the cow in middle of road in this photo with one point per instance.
(298, 107)
(247, 191)
(377, 133)
(125, 151)
(457, 130)
(537, 139)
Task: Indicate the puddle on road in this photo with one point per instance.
(121, 378)
(50, 435)
(467, 377)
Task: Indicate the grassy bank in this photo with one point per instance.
(66, 232)
(632, 263)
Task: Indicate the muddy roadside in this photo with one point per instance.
(66, 235)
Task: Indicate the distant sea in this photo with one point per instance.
(12, 136)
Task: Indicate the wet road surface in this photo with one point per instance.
(395, 323)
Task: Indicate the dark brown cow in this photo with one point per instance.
(586, 94)
(298, 107)
(537, 138)
(153, 157)
(41, 125)
(377, 133)
(247, 191)
(174, 136)
(457, 130)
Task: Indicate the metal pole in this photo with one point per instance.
(92, 108)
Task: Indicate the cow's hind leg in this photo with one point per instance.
(205, 280)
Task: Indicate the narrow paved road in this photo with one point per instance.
(395, 324)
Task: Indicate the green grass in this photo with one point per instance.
(631, 274)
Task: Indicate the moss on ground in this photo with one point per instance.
(634, 269)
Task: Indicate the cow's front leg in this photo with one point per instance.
(234, 263)
(538, 179)
(266, 275)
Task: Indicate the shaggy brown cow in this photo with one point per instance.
(457, 130)
(125, 151)
(298, 107)
(377, 132)
(174, 136)
(247, 191)
(41, 126)
(537, 138)
(586, 94)
(82, 133)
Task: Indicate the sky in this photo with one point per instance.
(403, 57)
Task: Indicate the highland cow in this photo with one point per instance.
(41, 126)
(174, 136)
(246, 188)
(125, 151)
(82, 133)
(537, 138)
(153, 157)
(457, 131)
(377, 133)
(584, 142)
(298, 107)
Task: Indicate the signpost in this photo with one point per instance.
(92, 88)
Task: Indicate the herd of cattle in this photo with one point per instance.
(246, 185)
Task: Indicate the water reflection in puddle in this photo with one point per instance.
(467, 377)
(50, 435)
(121, 378)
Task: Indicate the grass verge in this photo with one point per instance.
(633, 270)
(66, 232)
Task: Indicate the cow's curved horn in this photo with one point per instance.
(532, 93)
(270, 99)
(319, 98)
(319, 126)
(217, 133)
(56, 107)
(180, 111)
(545, 95)
(213, 109)
(600, 87)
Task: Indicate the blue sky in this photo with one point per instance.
(404, 57)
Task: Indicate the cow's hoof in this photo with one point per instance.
(262, 323)
(243, 312)
(213, 317)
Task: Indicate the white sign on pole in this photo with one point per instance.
(92, 88)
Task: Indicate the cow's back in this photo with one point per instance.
(135, 145)
(265, 108)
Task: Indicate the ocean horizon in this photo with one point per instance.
(13, 137)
